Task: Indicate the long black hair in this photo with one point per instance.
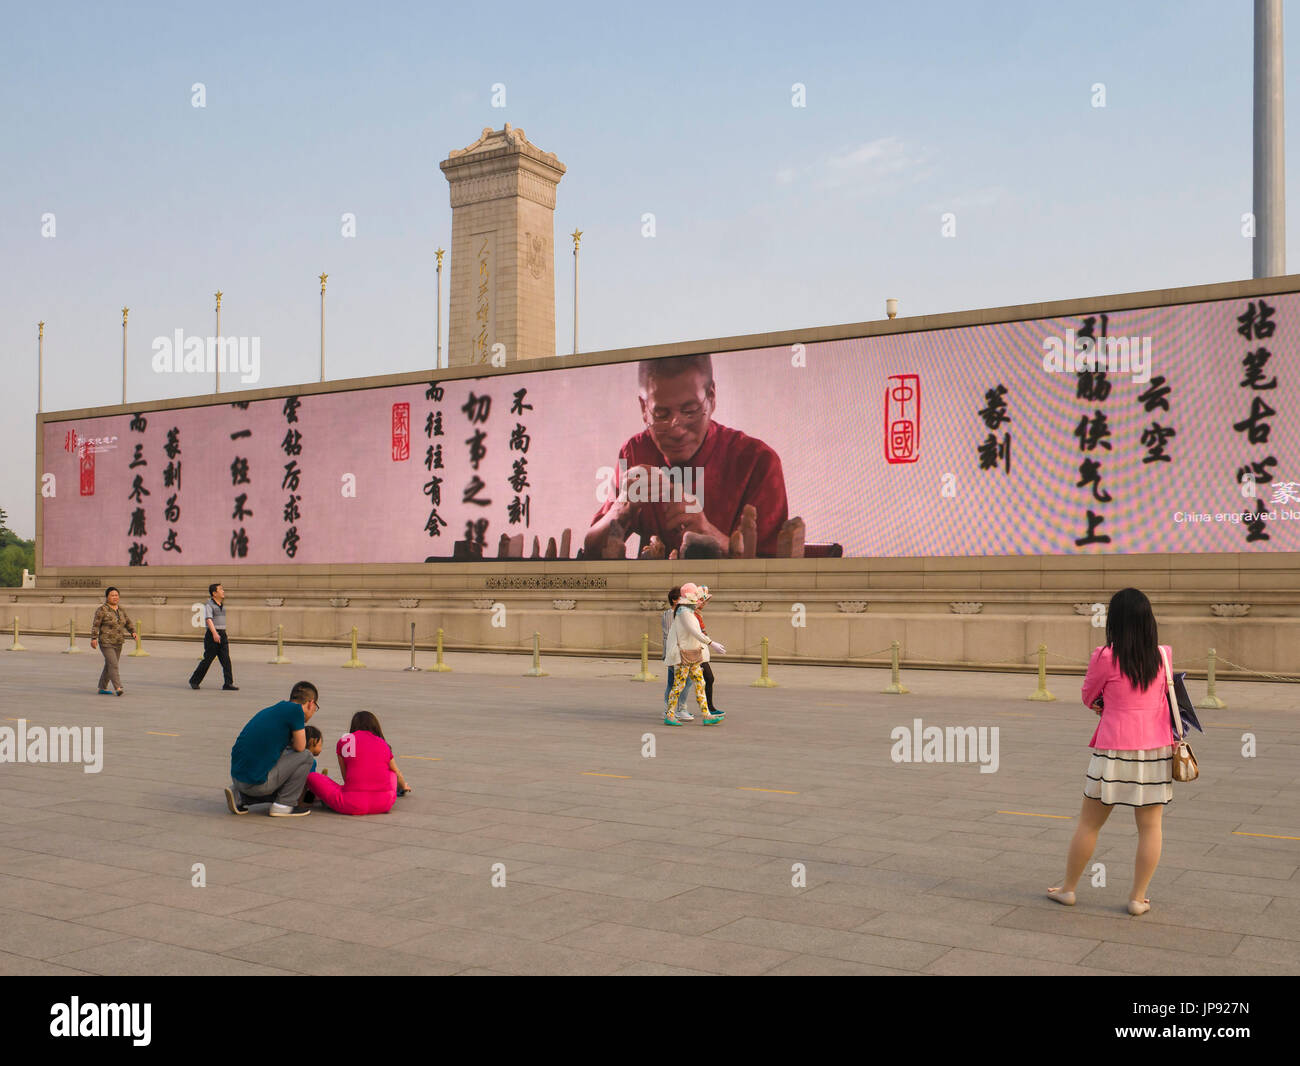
(1132, 636)
(368, 721)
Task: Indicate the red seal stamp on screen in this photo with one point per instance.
(87, 461)
(903, 418)
(401, 432)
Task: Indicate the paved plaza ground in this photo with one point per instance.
(615, 863)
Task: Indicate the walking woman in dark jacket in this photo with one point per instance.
(109, 630)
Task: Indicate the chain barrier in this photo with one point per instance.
(1257, 673)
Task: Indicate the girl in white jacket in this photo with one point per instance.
(686, 649)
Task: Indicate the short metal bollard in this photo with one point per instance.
(1041, 692)
(139, 651)
(16, 646)
(537, 670)
(279, 659)
(762, 681)
(412, 669)
(1211, 701)
(354, 663)
(72, 648)
(440, 667)
(645, 674)
(895, 686)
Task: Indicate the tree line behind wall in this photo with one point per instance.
(16, 554)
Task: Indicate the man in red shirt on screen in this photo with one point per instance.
(685, 473)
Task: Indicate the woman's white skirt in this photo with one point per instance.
(1131, 778)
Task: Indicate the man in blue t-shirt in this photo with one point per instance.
(270, 759)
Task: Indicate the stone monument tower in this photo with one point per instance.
(502, 249)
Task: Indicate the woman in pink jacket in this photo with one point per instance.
(371, 779)
(1132, 749)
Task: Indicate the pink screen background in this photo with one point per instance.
(824, 419)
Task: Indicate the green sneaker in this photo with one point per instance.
(712, 719)
(671, 719)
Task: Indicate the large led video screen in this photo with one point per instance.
(1168, 429)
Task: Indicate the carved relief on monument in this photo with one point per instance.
(539, 190)
(484, 325)
(535, 254)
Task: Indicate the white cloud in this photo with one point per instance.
(972, 199)
(871, 165)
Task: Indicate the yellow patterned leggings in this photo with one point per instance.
(695, 673)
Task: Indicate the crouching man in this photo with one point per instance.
(270, 759)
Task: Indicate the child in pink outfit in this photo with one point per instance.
(370, 774)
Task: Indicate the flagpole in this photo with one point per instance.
(577, 237)
(40, 367)
(322, 326)
(1268, 251)
(438, 354)
(218, 350)
(125, 312)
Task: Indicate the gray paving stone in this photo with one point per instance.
(38, 937)
(181, 894)
(55, 901)
(836, 944)
(820, 966)
(515, 955)
(323, 956)
(70, 872)
(605, 859)
(19, 966)
(963, 962)
(186, 929)
(134, 957)
(443, 884)
(1134, 958)
(626, 886)
(1067, 946)
(674, 949)
(1282, 952)
(658, 969)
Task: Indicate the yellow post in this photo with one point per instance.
(138, 650)
(279, 659)
(537, 670)
(354, 663)
(16, 646)
(1041, 692)
(762, 681)
(645, 674)
(895, 686)
(1211, 701)
(72, 648)
(440, 667)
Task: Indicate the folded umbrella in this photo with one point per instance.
(1185, 709)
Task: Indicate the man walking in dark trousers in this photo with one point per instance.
(215, 643)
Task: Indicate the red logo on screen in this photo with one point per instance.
(87, 470)
(70, 441)
(401, 432)
(902, 418)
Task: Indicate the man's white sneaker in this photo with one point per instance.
(283, 810)
(685, 716)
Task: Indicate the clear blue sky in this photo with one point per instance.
(768, 216)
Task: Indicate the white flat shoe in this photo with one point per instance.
(1136, 907)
